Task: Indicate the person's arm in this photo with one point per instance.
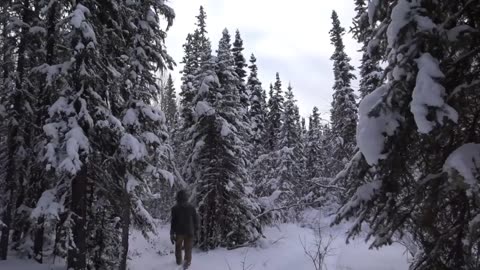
(195, 220)
(173, 225)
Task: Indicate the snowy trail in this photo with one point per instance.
(286, 253)
(282, 250)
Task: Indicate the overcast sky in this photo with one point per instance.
(287, 36)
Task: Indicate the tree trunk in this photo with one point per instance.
(125, 214)
(125, 231)
(77, 254)
(7, 220)
(38, 241)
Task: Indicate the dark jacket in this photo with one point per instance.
(184, 218)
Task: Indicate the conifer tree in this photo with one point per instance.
(370, 70)
(240, 64)
(289, 166)
(170, 103)
(20, 41)
(90, 147)
(217, 160)
(197, 51)
(258, 110)
(344, 109)
(274, 116)
(405, 180)
(314, 146)
(195, 48)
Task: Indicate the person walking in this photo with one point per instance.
(184, 226)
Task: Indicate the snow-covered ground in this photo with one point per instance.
(16, 264)
(282, 250)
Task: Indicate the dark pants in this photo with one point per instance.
(187, 243)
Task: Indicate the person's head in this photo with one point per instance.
(182, 196)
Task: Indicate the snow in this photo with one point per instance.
(132, 148)
(152, 113)
(473, 224)
(78, 20)
(269, 202)
(17, 264)
(225, 131)
(132, 183)
(37, 30)
(61, 106)
(454, 33)
(76, 142)
(371, 129)
(151, 138)
(429, 93)
(372, 6)
(78, 15)
(47, 206)
(363, 194)
(425, 24)
(203, 108)
(466, 161)
(169, 176)
(401, 16)
(281, 250)
(130, 118)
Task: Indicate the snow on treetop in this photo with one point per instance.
(374, 123)
(466, 161)
(429, 93)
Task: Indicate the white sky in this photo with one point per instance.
(290, 37)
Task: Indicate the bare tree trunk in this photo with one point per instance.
(38, 241)
(4, 240)
(125, 212)
(78, 253)
(125, 231)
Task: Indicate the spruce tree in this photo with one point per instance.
(289, 165)
(370, 70)
(93, 145)
(344, 109)
(195, 48)
(170, 103)
(413, 129)
(274, 116)
(197, 51)
(258, 110)
(314, 156)
(240, 64)
(20, 40)
(217, 160)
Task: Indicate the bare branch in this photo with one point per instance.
(322, 249)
